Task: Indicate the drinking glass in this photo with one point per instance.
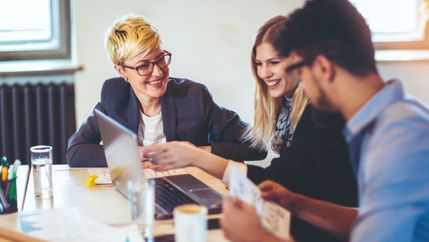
(141, 195)
(41, 161)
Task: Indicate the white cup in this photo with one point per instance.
(41, 161)
(190, 223)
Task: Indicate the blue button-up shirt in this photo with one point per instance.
(389, 146)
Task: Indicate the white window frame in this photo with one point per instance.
(407, 46)
(418, 39)
(422, 31)
(61, 12)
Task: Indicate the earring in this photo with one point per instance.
(126, 79)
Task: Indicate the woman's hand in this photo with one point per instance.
(178, 154)
(172, 155)
(277, 193)
(146, 164)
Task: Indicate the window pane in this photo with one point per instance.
(392, 20)
(26, 25)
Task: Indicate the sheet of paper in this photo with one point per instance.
(240, 186)
(276, 219)
(273, 217)
(104, 174)
(68, 224)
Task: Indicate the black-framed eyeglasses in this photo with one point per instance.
(292, 71)
(146, 68)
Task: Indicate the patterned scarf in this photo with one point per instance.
(284, 131)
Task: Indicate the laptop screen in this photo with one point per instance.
(120, 149)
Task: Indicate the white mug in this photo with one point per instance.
(190, 223)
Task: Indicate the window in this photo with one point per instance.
(34, 29)
(396, 24)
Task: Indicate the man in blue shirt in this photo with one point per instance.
(331, 54)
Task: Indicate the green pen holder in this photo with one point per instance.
(8, 201)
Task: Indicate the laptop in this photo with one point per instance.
(123, 162)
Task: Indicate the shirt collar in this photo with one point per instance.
(390, 93)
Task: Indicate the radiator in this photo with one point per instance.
(36, 114)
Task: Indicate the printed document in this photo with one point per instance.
(274, 218)
(68, 224)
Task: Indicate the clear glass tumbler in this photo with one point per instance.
(41, 161)
(141, 194)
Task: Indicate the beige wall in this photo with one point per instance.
(415, 76)
(210, 41)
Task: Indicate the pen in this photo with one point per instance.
(10, 172)
(12, 190)
(6, 190)
(3, 161)
(3, 199)
(16, 164)
(4, 168)
(4, 173)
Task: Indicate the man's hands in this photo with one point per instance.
(240, 222)
(277, 193)
(334, 219)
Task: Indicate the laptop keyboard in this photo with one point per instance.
(168, 196)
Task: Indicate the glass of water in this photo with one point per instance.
(141, 195)
(41, 161)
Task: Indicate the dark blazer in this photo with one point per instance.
(316, 165)
(188, 114)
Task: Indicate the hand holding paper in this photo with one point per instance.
(276, 193)
(239, 216)
(274, 218)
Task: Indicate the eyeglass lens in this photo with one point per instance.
(147, 67)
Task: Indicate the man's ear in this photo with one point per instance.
(324, 68)
(120, 70)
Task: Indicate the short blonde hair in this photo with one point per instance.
(130, 36)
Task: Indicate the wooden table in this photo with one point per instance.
(100, 203)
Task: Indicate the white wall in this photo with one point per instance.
(414, 76)
(210, 41)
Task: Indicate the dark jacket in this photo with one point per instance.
(316, 165)
(188, 114)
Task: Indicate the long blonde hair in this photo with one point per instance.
(267, 108)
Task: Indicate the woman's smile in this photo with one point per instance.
(272, 83)
(158, 83)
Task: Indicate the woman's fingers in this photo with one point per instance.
(154, 154)
(153, 149)
(147, 165)
(165, 167)
(162, 158)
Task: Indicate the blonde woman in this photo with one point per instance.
(313, 155)
(155, 106)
